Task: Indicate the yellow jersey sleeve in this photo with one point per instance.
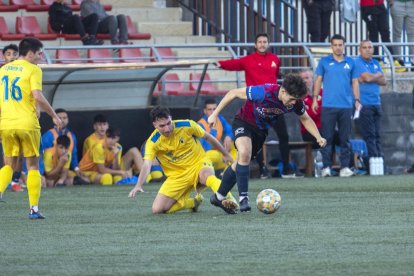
(36, 79)
(48, 160)
(196, 129)
(150, 146)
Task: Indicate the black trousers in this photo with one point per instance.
(75, 25)
(318, 16)
(376, 18)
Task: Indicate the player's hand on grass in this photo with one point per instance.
(134, 191)
(322, 142)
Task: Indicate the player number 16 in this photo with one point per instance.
(16, 91)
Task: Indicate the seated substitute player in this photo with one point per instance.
(57, 161)
(221, 131)
(175, 145)
(103, 163)
(132, 157)
(21, 89)
(264, 103)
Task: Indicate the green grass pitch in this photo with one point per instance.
(333, 226)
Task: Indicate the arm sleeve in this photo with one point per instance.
(255, 93)
(36, 79)
(150, 150)
(196, 130)
(355, 74)
(206, 145)
(47, 140)
(74, 162)
(320, 69)
(299, 108)
(98, 154)
(231, 64)
(227, 130)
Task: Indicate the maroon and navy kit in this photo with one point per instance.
(263, 106)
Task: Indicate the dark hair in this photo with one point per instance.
(29, 44)
(113, 133)
(10, 47)
(294, 85)
(209, 101)
(99, 119)
(63, 140)
(160, 112)
(260, 35)
(338, 37)
(60, 110)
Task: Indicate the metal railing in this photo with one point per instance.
(293, 56)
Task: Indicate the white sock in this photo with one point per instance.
(220, 196)
(35, 209)
(242, 197)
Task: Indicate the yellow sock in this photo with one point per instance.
(106, 179)
(6, 174)
(149, 178)
(34, 185)
(117, 178)
(213, 182)
(188, 204)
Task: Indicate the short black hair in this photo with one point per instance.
(160, 112)
(60, 110)
(113, 133)
(260, 35)
(209, 101)
(337, 37)
(10, 47)
(29, 44)
(99, 118)
(63, 140)
(294, 85)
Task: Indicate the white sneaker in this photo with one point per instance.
(326, 172)
(346, 172)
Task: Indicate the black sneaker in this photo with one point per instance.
(35, 215)
(264, 173)
(289, 173)
(228, 206)
(244, 205)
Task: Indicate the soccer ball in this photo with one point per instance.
(268, 201)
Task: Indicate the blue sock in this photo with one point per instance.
(243, 174)
(16, 176)
(228, 181)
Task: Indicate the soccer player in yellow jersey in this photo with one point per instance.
(57, 161)
(100, 125)
(21, 93)
(177, 147)
(103, 163)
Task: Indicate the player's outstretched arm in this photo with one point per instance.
(310, 126)
(145, 170)
(44, 104)
(216, 144)
(227, 99)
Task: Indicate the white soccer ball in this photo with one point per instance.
(268, 201)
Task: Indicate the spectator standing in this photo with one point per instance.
(318, 16)
(221, 131)
(341, 89)
(402, 14)
(375, 15)
(260, 68)
(62, 20)
(107, 23)
(370, 79)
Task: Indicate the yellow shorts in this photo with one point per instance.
(91, 175)
(180, 186)
(16, 141)
(217, 158)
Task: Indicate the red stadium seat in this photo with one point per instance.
(132, 30)
(50, 2)
(68, 56)
(165, 53)
(174, 88)
(29, 26)
(207, 88)
(8, 8)
(100, 56)
(4, 31)
(29, 5)
(131, 55)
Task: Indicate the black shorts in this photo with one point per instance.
(243, 129)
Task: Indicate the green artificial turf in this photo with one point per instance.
(333, 226)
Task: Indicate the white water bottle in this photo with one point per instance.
(318, 168)
(373, 166)
(380, 166)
